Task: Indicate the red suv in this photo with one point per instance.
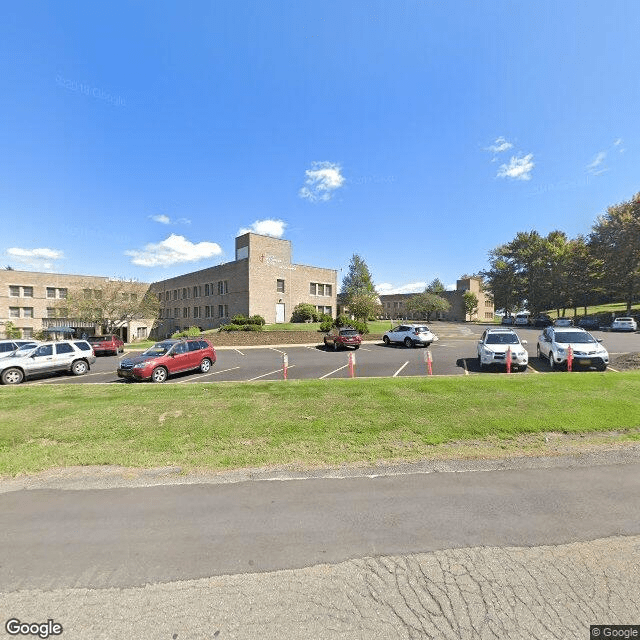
(168, 357)
(342, 337)
(106, 344)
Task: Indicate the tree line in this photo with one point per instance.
(540, 273)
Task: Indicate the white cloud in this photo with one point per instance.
(519, 168)
(500, 145)
(321, 182)
(266, 227)
(617, 142)
(384, 288)
(597, 161)
(163, 219)
(173, 250)
(35, 258)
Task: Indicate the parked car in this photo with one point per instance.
(7, 347)
(522, 319)
(543, 320)
(167, 358)
(589, 323)
(507, 320)
(340, 337)
(563, 322)
(554, 343)
(494, 345)
(624, 324)
(109, 344)
(73, 356)
(410, 335)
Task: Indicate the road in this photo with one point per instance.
(454, 354)
(538, 552)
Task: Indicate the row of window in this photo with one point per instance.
(197, 291)
(20, 291)
(208, 311)
(21, 312)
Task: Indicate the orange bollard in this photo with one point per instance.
(429, 360)
(570, 359)
(509, 360)
(352, 363)
(285, 365)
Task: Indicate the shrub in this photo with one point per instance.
(343, 321)
(239, 319)
(187, 333)
(257, 320)
(304, 312)
(11, 331)
(325, 317)
(360, 326)
(231, 327)
(252, 327)
(326, 325)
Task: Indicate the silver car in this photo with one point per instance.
(7, 347)
(73, 356)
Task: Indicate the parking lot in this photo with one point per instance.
(454, 354)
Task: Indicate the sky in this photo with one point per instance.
(140, 138)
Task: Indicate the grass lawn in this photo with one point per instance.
(378, 326)
(233, 425)
(615, 307)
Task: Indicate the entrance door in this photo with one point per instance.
(279, 312)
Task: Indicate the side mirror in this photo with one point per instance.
(599, 339)
(525, 342)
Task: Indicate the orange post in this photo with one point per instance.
(570, 359)
(285, 365)
(509, 360)
(429, 360)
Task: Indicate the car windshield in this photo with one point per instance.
(99, 338)
(159, 349)
(421, 329)
(623, 320)
(502, 338)
(565, 337)
(348, 332)
(24, 350)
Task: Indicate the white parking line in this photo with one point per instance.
(334, 371)
(400, 369)
(270, 372)
(240, 352)
(612, 369)
(466, 370)
(209, 373)
(532, 369)
(278, 350)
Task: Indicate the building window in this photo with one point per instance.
(207, 311)
(176, 312)
(14, 312)
(142, 332)
(175, 294)
(27, 312)
(318, 289)
(161, 313)
(62, 293)
(196, 312)
(185, 312)
(195, 291)
(223, 311)
(27, 332)
(51, 292)
(223, 287)
(51, 312)
(280, 286)
(27, 292)
(160, 297)
(184, 293)
(14, 291)
(324, 309)
(206, 289)
(312, 288)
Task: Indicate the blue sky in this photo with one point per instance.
(139, 138)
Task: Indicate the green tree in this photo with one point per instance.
(435, 286)
(358, 280)
(364, 306)
(11, 331)
(113, 305)
(615, 239)
(470, 303)
(426, 303)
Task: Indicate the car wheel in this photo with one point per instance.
(552, 364)
(159, 374)
(79, 368)
(205, 365)
(538, 354)
(12, 376)
(386, 340)
(408, 342)
(602, 367)
(357, 346)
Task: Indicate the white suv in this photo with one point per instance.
(410, 335)
(74, 356)
(494, 345)
(554, 344)
(7, 347)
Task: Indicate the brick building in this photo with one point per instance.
(34, 301)
(262, 280)
(393, 305)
